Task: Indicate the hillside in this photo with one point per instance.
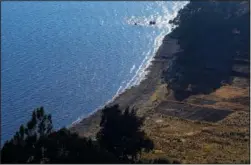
(196, 96)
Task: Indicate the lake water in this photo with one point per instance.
(72, 57)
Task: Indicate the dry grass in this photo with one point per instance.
(232, 106)
(160, 93)
(238, 119)
(226, 141)
(226, 97)
(229, 92)
(198, 142)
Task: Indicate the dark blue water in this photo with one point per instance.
(72, 57)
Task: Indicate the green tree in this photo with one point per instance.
(120, 141)
(21, 148)
(121, 134)
(38, 143)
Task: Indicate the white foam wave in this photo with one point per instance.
(119, 90)
(162, 22)
(132, 68)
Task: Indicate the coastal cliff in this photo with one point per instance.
(195, 98)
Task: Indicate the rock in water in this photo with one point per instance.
(152, 22)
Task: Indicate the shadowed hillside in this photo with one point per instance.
(214, 42)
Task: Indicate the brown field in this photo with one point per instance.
(226, 141)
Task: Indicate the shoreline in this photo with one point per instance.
(133, 82)
(141, 75)
(135, 96)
